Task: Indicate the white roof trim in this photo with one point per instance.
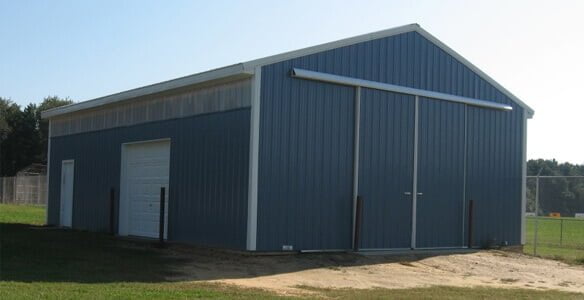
(235, 71)
(247, 69)
(356, 82)
(475, 69)
(333, 45)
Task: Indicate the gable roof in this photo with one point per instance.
(246, 69)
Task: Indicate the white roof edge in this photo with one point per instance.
(332, 45)
(247, 68)
(229, 71)
(475, 69)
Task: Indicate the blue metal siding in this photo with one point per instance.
(290, 107)
(208, 175)
(494, 175)
(385, 168)
(440, 174)
(306, 163)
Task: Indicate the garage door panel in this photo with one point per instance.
(146, 170)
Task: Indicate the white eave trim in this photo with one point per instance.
(333, 45)
(234, 71)
(350, 81)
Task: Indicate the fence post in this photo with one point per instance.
(4, 190)
(536, 212)
(14, 190)
(38, 190)
(561, 231)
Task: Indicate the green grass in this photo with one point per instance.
(126, 290)
(568, 246)
(443, 292)
(24, 214)
(50, 263)
(17, 290)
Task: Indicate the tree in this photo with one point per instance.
(8, 112)
(23, 134)
(561, 194)
(21, 146)
(4, 127)
(48, 103)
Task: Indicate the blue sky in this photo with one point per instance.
(86, 49)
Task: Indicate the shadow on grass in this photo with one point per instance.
(43, 254)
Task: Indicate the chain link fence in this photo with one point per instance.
(555, 217)
(24, 190)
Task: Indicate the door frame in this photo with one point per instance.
(123, 210)
(61, 223)
(415, 171)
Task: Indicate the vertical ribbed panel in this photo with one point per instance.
(440, 174)
(385, 168)
(409, 60)
(494, 175)
(208, 175)
(306, 163)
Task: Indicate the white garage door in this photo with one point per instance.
(145, 169)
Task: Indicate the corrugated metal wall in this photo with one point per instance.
(208, 175)
(385, 168)
(494, 174)
(440, 174)
(494, 148)
(306, 164)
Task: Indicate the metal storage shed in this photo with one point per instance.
(272, 154)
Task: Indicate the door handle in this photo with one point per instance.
(407, 193)
(419, 194)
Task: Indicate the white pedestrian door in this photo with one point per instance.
(145, 169)
(67, 175)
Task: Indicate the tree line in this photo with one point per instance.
(561, 194)
(23, 134)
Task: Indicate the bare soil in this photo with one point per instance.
(289, 274)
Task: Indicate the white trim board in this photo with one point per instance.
(356, 150)
(248, 68)
(415, 173)
(523, 179)
(254, 144)
(48, 179)
(356, 82)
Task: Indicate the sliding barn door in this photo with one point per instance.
(385, 168)
(441, 174)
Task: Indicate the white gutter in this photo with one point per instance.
(350, 81)
(230, 72)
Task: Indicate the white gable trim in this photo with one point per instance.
(473, 68)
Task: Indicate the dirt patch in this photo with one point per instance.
(288, 274)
